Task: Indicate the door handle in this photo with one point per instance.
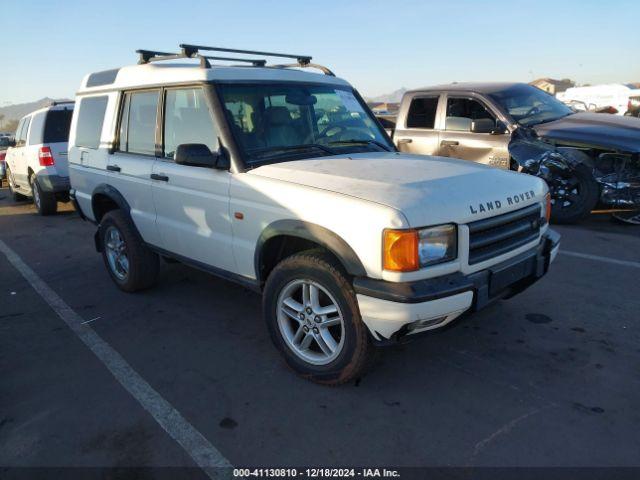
(162, 178)
(403, 141)
(449, 143)
(82, 157)
(113, 168)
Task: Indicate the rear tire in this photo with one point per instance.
(131, 265)
(573, 198)
(45, 202)
(322, 336)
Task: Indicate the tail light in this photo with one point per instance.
(2, 156)
(629, 105)
(45, 157)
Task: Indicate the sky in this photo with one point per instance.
(379, 46)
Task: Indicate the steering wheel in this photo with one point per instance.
(532, 111)
(337, 133)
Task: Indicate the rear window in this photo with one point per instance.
(422, 113)
(90, 120)
(57, 125)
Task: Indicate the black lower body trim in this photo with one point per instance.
(218, 272)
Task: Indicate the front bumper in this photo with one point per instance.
(393, 310)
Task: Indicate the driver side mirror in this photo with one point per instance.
(487, 125)
(199, 155)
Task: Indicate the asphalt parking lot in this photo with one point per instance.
(548, 378)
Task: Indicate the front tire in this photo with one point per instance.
(131, 265)
(573, 196)
(17, 197)
(45, 202)
(313, 318)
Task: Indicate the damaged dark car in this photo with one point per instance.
(589, 160)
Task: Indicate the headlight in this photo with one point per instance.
(437, 244)
(409, 250)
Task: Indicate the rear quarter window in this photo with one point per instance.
(90, 120)
(57, 125)
(37, 126)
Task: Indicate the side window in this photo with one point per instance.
(138, 123)
(37, 126)
(462, 111)
(22, 139)
(19, 131)
(187, 119)
(90, 120)
(422, 113)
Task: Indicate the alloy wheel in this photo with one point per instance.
(116, 250)
(310, 321)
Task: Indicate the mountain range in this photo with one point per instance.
(19, 110)
(393, 97)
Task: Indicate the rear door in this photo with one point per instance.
(192, 203)
(130, 166)
(56, 136)
(458, 141)
(18, 163)
(417, 132)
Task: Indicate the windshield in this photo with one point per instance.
(529, 105)
(293, 121)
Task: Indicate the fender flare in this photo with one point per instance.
(113, 194)
(312, 232)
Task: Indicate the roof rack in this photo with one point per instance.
(193, 51)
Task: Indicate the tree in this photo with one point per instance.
(1, 119)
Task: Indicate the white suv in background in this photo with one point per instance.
(37, 165)
(283, 181)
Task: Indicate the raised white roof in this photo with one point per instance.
(164, 73)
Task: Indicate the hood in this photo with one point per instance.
(596, 129)
(427, 190)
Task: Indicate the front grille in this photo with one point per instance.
(495, 236)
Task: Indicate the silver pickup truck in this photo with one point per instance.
(585, 158)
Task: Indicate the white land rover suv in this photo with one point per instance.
(36, 167)
(282, 180)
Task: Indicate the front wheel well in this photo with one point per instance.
(280, 247)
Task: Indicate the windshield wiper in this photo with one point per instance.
(356, 141)
(263, 152)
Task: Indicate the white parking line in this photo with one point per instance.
(205, 455)
(598, 258)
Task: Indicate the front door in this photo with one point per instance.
(192, 203)
(457, 139)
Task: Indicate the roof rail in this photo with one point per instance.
(193, 51)
(55, 103)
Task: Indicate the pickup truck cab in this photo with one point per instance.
(36, 165)
(282, 180)
(585, 158)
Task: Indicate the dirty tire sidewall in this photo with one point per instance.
(144, 264)
(590, 193)
(46, 203)
(356, 354)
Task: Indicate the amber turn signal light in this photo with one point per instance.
(400, 249)
(548, 205)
